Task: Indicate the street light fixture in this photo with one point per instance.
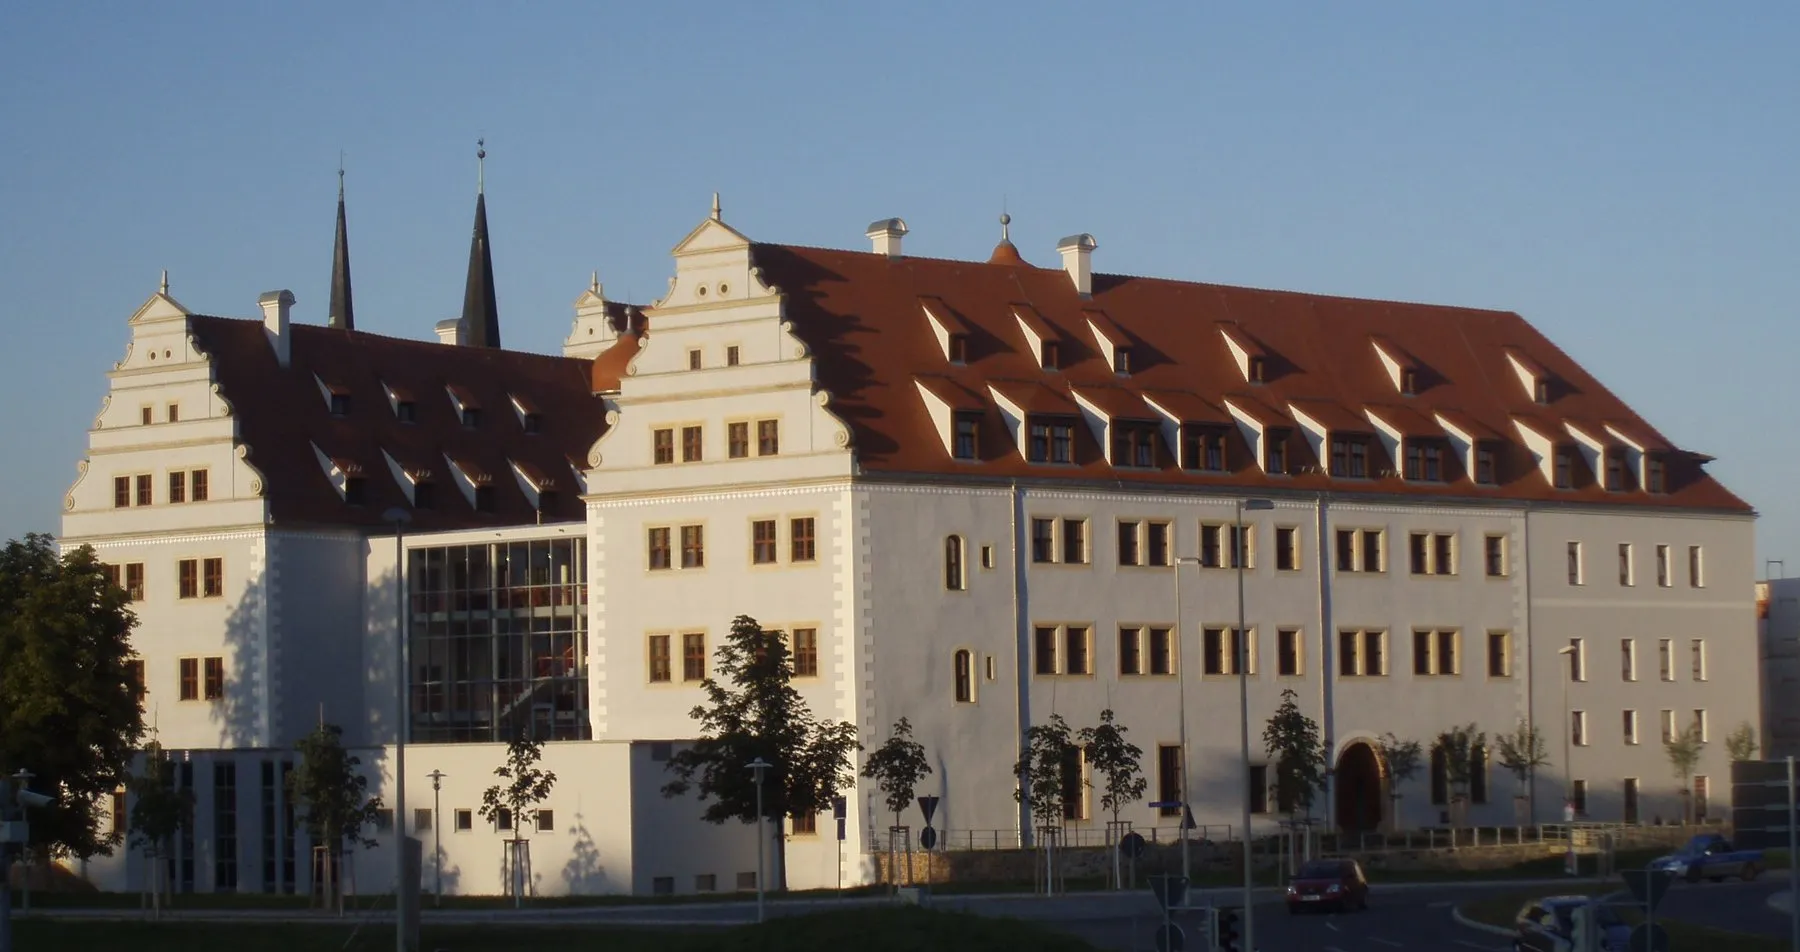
(759, 767)
(1568, 651)
(1240, 553)
(437, 832)
(400, 518)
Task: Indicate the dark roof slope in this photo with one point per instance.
(860, 313)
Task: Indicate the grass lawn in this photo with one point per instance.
(1499, 911)
(886, 929)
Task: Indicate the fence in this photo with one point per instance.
(1070, 837)
(1333, 843)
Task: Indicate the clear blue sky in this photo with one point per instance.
(1623, 174)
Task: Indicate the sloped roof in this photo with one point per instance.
(280, 417)
(859, 313)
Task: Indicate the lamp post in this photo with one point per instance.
(1240, 553)
(1181, 709)
(437, 832)
(759, 767)
(1568, 651)
(402, 902)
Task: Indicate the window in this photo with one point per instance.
(134, 581)
(1044, 650)
(1494, 555)
(546, 821)
(1168, 779)
(731, 356)
(1070, 641)
(1578, 659)
(1287, 549)
(1668, 726)
(1203, 448)
(1156, 543)
(1074, 541)
(121, 492)
(225, 823)
(1618, 475)
(1665, 659)
(1359, 550)
(1134, 444)
(146, 415)
(691, 448)
(465, 820)
(804, 824)
(762, 541)
(1631, 799)
(471, 417)
(212, 578)
(663, 446)
(1425, 461)
(737, 440)
(1074, 785)
(1578, 728)
(1121, 360)
(1287, 652)
(143, 490)
(1211, 550)
(694, 362)
(197, 485)
(484, 499)
(1259, 370)
(964, 670)
(953, 563)
(1361, 653)
(1664, 577)
(1043, 540)
(340, 404)
(1440, 776)
(120, 815)
(1350, 457)
(967, 437)
(424, 495)
(1220, 649)
(987, 556)
(693, 656)
(1697, 649)
(405, 411)
(1259, 788)
(768, 437)
(1433, 553)
(1565, 467)
(1275, 452)
(959, 348)
(134, 673)
(1162, 651)
(1131, 651)
(1076, 655)
(1409, 382)
(503, 820)
(659, 547)
(1487, 468)
(660, 671)
(806, 652)
(215, 679)
(1575, 575)
(188, 571)
(190, 679)
(704, 882)
(1499, 654)
(1436, 652)
(1658, 475)
(355, 490)
(1051, 441)
(1625, 574)
(1628, 727)
(178, 486)
(1129, 552)
(1050, 354)
(1578, 793)
(693, 547)
(801, 547)
(1628, 659)
(1696, 579)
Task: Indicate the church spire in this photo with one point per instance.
(480, 314)
(342, 312)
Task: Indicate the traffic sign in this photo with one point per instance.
(840, 824)
(1648, 886)
(1132, 845)
(1170, 891)
(840, 806)
(1648, 937)
(928, 838)
(928, 806)
(1170, 938)
(1165, 805)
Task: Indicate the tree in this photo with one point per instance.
(897, 766)
(526, 787)
(1293, 740)
(763, 718)
(1741, 745)
(1402, 759)
(70, 710)
(1522, 752)
(1117, 761)
(1684, 751)
(1459, 747)
(332, 796)
(159, 813)
(1041, 768)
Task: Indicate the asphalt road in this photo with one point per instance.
(1738, 907)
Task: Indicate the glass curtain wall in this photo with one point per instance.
(499, 641)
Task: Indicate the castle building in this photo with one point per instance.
(974, 494)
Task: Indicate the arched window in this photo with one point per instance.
(953, 563)
(965, 676)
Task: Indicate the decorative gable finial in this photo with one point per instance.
(594, 283)
(1005, 227)
(716, 216)
(340, 175)
(165, 282)
(480, 166)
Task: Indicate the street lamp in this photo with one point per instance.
(1181, 705)
(1568, 651)
(1240, 553)
(437, 833)
(400, 517)
(759, 767)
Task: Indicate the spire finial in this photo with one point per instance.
(1005, 227)
(165, 281)
(480, 166)
(715, 211)
(340, 175)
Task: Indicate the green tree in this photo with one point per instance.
(1402, 759)
(1741, 745)
(527, 785)
(1683, 751)
(1461, 748)
(1522, 752)
(1293, 740)
(69, 704)
(897, 766)
(159, 813)
(1042, 768)
(1117, 761)
(760, 716)
(332, 797)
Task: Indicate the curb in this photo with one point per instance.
(1468, 923)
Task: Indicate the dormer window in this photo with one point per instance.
(1203, 448)
(1409, 382)
(959, 348)
(1258, 370)
(355, 490)
(1618, 474)
(547, 500)
(1121, 360)
(532, 422)
(1350, 457)
(484, 499)
(405, 412)
(1051, 441)
(1134, 444)
(340, 404)
(424, 495)
(966, 443)
(1275, 452)
(1487, 465)
(1565, 467)
(1425, 461)
(471, 417)
(1540, 391)
(1050, 354)
(1657, 477)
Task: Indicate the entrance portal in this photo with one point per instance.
(1358, 789)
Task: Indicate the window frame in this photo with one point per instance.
(658, 658)
(737, 439)
(956, 567)
(764, 551)
(652, 549)
(693, 664)
(1358, 551)
(1496, 555)
(1287, 549)
(1502, 638)
(1354, 663)
(662, 446)
(803, 546)
(693, 556)
(1284, 637)
(768, 437)
(693, 443)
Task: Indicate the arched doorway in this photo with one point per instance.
(1358, 789)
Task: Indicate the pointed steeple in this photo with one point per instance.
(480, 314)
(342, 312)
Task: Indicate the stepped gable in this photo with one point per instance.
(865, 316)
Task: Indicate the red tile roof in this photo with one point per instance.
(280, 418)
(859, 313)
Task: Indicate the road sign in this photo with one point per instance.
(1132, 845)
(928, 806)
(1759, 804)
(1166, 805)
(1648, 937)
(1648, 886)
(928, 838)
(1170, 938)
(840, 807)
(1170, 891)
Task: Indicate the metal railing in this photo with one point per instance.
(1069, 837)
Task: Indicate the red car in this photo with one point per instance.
(1330, 883)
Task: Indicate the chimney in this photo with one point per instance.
(450, 332)
(887, 234)
(275, 306)
(1078, 259)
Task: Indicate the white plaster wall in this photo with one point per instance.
(318, 585)
(669, 839)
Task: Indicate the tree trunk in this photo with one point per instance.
(778, 858)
